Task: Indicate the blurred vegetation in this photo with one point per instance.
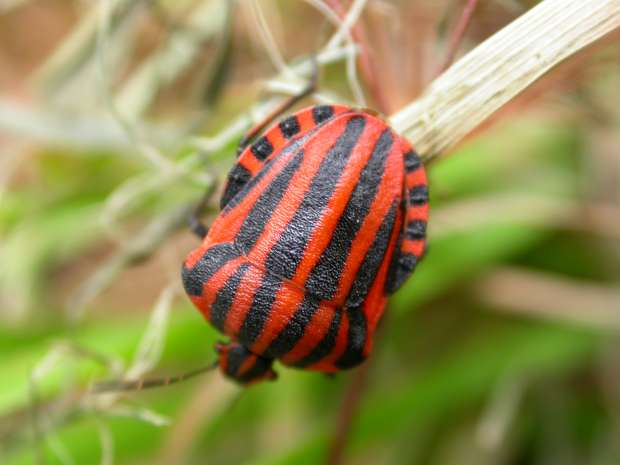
(116, 116)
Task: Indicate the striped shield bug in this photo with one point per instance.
(322, 217)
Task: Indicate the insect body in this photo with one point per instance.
(322, 218)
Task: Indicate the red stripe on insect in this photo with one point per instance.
(294, 194)
(276, 139)
(216, 283)
(323, 232)
(288, 298)
(304, 118)
(415, 247)
(226, 226)
(327, 364)
(419, 212)
(416, 178)
(389, 190)
(247, 365)
(194, 256)
(376, 300)
(314, 332)
(251, 163)
(243, 301)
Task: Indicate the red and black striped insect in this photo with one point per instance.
(322, 218)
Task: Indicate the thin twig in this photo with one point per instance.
(343, 33)
(166, 64)
(269, 42)
(143, 145)
(37, 434)
(500, 414)
(78, 49)
(151, 345)
(211, 398)
(500, 68)
(106, 440)
(367, 64)
(90, 132)
(135, 251)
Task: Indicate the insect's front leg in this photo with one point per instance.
(194, 221)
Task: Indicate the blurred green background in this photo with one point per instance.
(115, 116)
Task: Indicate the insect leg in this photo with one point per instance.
(194, 222)
(120, 385)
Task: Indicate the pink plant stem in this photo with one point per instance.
(458, 33)
(359, 35)
(348, 411)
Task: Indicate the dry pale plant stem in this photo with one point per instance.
(555, 298)
(343, 33)
(366, 63)
(78, 48)
(500, 68)
(269, 42)
(165, 65)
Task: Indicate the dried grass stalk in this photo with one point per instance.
(500, 68)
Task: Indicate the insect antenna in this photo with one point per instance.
(119, 385)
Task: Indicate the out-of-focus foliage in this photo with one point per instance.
(502, 349)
